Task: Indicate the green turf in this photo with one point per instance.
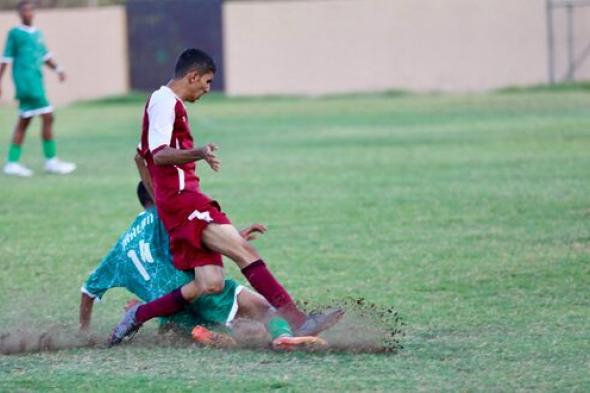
(469, 214)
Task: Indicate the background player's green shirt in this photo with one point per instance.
(141, 262)
(25, 48)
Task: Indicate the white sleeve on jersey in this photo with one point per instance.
(161, 116)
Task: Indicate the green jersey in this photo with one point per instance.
(140, 261)
(25, 49)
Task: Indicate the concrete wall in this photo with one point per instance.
(316, 47)
(91, 44)
(334, 46)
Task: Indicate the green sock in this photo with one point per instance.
(49, 149)
(279, 327)
(14, 153)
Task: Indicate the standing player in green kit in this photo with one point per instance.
(25, 49)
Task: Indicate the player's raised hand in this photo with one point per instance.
(251, 232)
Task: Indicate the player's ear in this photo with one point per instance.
(193, 76)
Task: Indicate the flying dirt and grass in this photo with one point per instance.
(453, 229)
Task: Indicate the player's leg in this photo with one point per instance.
(226, 240)
(52, 163)
(187, 254)
(252, 305)
(47, 120)
(20, 130)
(209, 279)
(13, 166)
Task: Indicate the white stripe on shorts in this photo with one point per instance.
(234, 307)
(36, 112)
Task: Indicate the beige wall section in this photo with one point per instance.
(334, 46)
(91, 45)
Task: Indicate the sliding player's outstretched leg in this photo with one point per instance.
(252, 306)
(305, 343)
(210, 338)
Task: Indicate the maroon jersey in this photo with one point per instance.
(176, 187)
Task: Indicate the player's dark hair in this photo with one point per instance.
(193, 60)
(143, 195)
(22, 3)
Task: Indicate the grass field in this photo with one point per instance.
(470, 214)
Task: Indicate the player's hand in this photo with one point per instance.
(61, 76)
(208, 152)
(252, 232)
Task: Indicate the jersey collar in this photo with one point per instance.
(28, 29)
(169, 90)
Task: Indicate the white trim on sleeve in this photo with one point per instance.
(6, 60)
(47, 56)
(161, 116)
(95, 297)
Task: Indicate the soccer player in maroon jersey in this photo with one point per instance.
(200, 233)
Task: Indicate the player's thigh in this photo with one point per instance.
(252, 305)
(211, 278)
(23, 122)
(225, 239)
(47, 117)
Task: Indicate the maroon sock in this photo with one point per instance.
(166, 305)
(267, 285)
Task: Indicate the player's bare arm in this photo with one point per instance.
(144, 175)
(171, 156)
(86, 304)
(2, 70)
(51, 63)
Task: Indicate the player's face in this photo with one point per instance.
(26, 14)
(199, 85)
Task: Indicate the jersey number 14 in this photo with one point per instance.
(146, 256)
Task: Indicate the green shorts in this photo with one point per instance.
(33, 106)
(219, 309)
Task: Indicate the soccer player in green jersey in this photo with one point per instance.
(141, 262)
(25, 49)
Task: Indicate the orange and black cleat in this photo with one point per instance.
(305, 343)
(209, 338)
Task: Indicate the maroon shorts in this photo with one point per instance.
(186, 247)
